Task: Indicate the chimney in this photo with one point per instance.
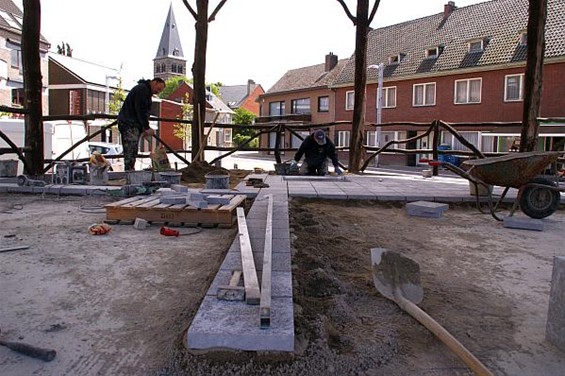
(448, 9)
(249, 83)
(331, 61)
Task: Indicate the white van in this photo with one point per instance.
(58, 136)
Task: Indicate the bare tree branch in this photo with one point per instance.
(373, 11)
(346, 9)
(187, 5)
(213, 15)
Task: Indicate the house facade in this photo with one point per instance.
(243, 96)
(11, 68)
(216, 110)
(460, 65)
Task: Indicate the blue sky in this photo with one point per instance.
(250, 39)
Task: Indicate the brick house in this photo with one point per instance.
(11, 78)
(172, 109)
(461, 65)
(302, 95)
(243, 96)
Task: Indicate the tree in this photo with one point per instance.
(362, 22)
(244, 117)
(118, 98)
(184, 130)
(199, 69)
(534, 74)
(172, 84)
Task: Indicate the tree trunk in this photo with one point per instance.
(199, 75)
(356, 140)
(31, 65)
(534, 74)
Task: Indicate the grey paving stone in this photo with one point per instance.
(523, 223)
(281, 283)
(426, 209)
(235, 325)
(281, 261)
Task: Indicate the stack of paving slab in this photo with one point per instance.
(179, 194)
(235, 325)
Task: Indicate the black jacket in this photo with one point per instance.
(136, 108)
(316, 154)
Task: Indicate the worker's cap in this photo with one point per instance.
(320, 137)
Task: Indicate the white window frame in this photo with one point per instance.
(386, 97)
(468, 93)
(349, 100)
(424, 103)
(432, 52)
(473, 42)
(371, 138)
(343, 138)
(521, 88)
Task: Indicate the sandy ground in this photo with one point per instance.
(119, 304)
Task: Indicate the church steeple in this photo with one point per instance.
(169, 60)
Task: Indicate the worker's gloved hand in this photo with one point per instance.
(338, 170)
(293, 164)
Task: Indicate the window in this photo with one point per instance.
(371, 138)
(295, 141)
(523, 38)
(323, 104)
(174, 68)
(349, 100)
(157, 68)
(424, 95)
(343, 138)
(475, 46)
(468, 91)
(180, 69)
(74, 102)
(514, 88)
(300, 106)
(18, 97)
(96, 102)
(386, 137)
(16, 58)
(276, 108)
(163, 67)
(396, 59)
(432, 53)
(227, 136)
(389, 97)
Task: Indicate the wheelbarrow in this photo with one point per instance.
(538, 197)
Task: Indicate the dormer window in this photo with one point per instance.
(476, 46)
(523, 38)
(396, 59)
(432, 53)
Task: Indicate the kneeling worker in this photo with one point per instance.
(317, 148)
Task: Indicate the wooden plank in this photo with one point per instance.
(149, 204)
(265, 304)
(138, 202)
(166, 215)
(235, 202)
(250, 281)
(232, 291)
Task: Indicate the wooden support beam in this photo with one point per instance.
(265, 304)
(232, 291)
(250, 281)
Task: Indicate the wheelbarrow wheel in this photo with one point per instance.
(539, 202)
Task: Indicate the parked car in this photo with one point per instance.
(109, 149)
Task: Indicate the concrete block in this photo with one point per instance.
(281, 262)
(196, 204)
(281, 283)
(426, 209)
(216, 199)
(166, 192)
(196, 196)
(179, 188)
(524, 223)
(555, 327)
(140, 224)
(173, 200)
(235, 325)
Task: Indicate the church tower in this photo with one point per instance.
(169, 60)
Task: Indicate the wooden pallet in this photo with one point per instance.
(149, 208)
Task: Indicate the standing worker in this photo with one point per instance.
(133, 119)
(317, 148)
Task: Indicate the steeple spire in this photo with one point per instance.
(169, 60)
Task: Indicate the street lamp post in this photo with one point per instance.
(107, 97)
(379, 68)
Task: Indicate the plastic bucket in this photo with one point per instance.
(9, 168)
(217, 180)
(138, 177)
(170, 177)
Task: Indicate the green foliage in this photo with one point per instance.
(64, 49)
(172, 84)
(182, 130)
(118, 98)
(243, 116)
